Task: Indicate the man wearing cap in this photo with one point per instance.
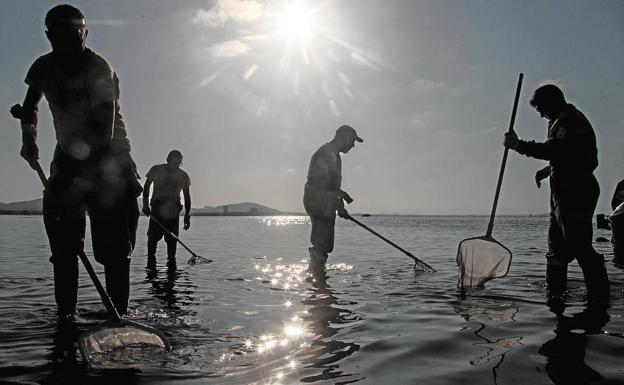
(92, 170)
(323, 195)
(573, 156)
(169, 180)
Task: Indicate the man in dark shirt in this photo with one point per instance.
(617, 222)
(92, 170)
(323, 195)
(169, 180)
(573, 156)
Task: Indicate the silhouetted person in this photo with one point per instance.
(617, 222)
(323, 195)
(573, 156)
(169, 180)
(92, 170)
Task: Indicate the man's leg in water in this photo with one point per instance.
(579, 237)
(173, 225)
(154, 234)
(64, 220)
(112, 244)
(556, 260)
(322, 239)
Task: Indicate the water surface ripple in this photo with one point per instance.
(254, 317)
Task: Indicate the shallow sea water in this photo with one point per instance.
(252, 317)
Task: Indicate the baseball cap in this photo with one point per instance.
(350, 131)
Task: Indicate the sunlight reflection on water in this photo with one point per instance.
(254, 316)
(284, 220)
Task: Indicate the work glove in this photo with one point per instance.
(187, 221)
(345, 196)
(342, 213)
(146, 210)
(541, 175)
(511, 140)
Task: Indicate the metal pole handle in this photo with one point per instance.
(488, 234)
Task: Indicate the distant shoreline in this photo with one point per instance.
(234, 214)
(290, 214)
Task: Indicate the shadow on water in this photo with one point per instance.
(325, 318)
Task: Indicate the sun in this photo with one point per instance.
(296, 23)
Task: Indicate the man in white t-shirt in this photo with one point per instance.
(169, 181)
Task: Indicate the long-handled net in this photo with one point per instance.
(195, 259)
(117, 343)
(481, 259)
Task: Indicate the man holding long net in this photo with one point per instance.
(573, 156)
(92, 170)
(323, 194)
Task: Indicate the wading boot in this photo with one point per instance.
(66, 290)
(556, 277)
(118, 284)
(317, 262)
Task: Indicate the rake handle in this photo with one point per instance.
(172, 235)
(390, 242)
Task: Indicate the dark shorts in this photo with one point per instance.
(168, 214)
(106, 189)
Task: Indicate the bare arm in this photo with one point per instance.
(146, 192)
(187, 207)
(27, 114)
(187, 200)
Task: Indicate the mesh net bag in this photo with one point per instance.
(480, 260)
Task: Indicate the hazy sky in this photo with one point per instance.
(248, 90)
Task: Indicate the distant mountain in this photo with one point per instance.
(246, 208)
(25, 207)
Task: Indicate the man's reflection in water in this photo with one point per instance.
(566, 352)
(325, 352)
(165, 288)
(64, 352)
(493, 313)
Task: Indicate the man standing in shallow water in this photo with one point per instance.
(323, 195)
(92, 170)
(573, 156)
(169, 180)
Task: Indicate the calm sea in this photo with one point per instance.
(251, 317)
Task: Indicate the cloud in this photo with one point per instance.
(226, 10)
(428, 85)
(106, 22)
(229, 49)
(256, 37)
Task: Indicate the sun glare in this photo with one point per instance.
(296, 23)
